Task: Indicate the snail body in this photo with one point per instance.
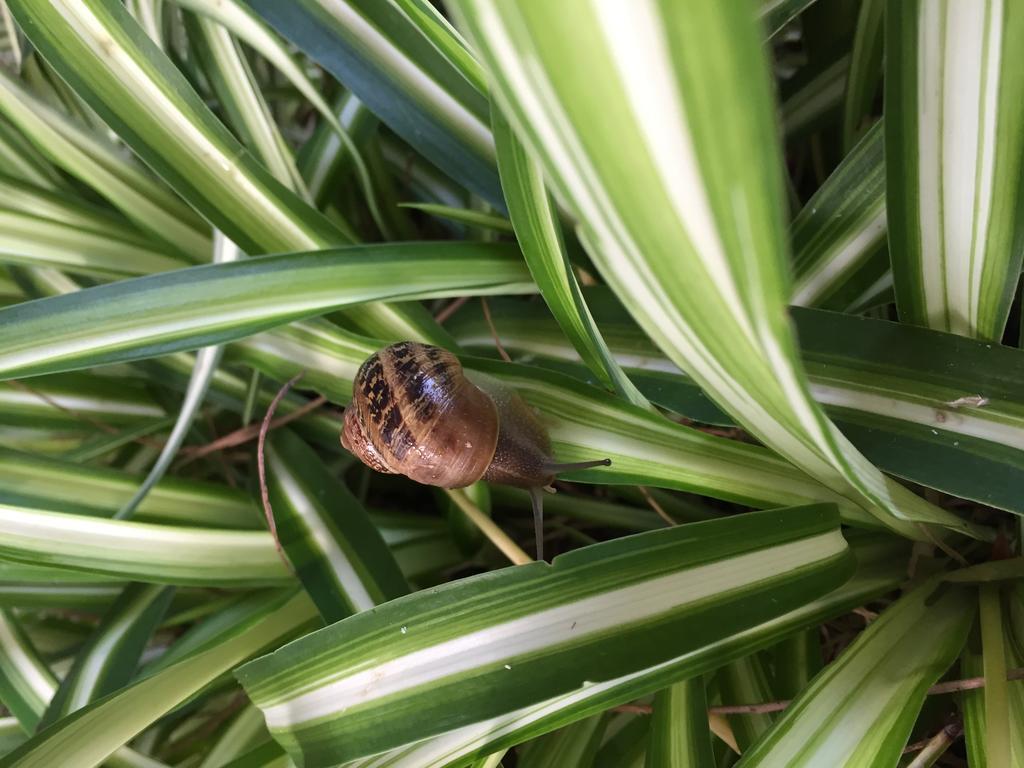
(415, 412)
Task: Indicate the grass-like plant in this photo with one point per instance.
(764, 257)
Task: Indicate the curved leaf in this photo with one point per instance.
(393, 66)
(860, 709)
(682, 216)
(140, 551)
(954, 103)
(205, 305)
(549, 629)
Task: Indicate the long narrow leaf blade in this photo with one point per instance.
(880, 570)
(583, 422)
(859, 711)
(63, 486)
(140, 551)
(538, 230)
(839, 245)
(90, 735)
(553, 628)
(110, 657)
(918, 402)
(105, 56)
(382, 55)
(338, 554)
(679, 731)
(954, 159)
(685, 225)
(200, 306)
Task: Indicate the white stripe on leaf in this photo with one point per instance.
(471, 128)
(343, 573)
(95, 36)
(562, 625)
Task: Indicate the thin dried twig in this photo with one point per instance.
(653, 503)
(494, 331)
(751, 709)
(970, 683)
(450, 309)
(261, 464)
(251, 432)
(228, 474)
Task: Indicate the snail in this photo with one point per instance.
(415, 412)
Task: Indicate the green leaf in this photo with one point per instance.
(77, 400)
(12, 46)
(11, 734)
(105, 56)
(473, 218)
(93, 161)
(626, 744)
(109, 658)
(973, 703)
(860, 710)
(795, 661)
(865, 71)
(324, 160)
(140, 551)
(681, 214)
(336, 551)
(268, 755)
(200, 306)
(537, 228)
(22, 161)
(980, 751)
(50, 594)
(811, 106)
(26, 683)
(43, 203)
(954, 103)
(840, 260)
(392, 64)
(245, 730)
(90, 735)
(679, 729)
(30, 240)
(235, 86)
(881, 567)
(207, 361)
(537, 631)
(433, 25)
(582, 421)
(997, 711)
(571, 747)
(746, 680)
(62, 486)
(917, 402)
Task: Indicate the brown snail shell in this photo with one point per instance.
(415, 412)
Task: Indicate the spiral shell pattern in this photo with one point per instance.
(415, 413)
